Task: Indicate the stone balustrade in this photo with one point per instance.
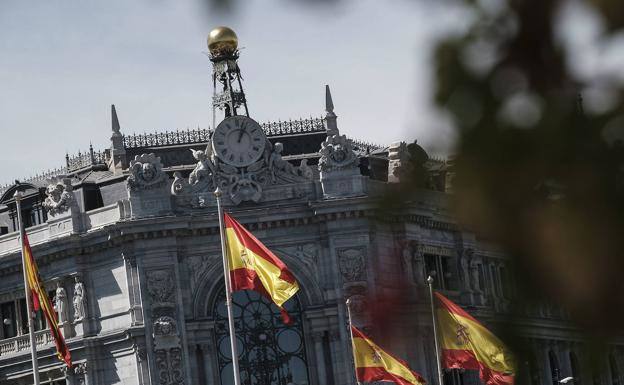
(22, 343)
(9, 243)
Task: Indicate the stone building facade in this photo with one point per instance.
(127, 240)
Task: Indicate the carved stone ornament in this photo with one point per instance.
(406, 161)
(337, 154)
(160, 286)
(240, 184)
(80, 368)
(352, 264)
(165, 326)
(146, 173)
(60, 197)
(169, 366)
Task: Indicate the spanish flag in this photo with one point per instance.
(467, 344)
(254, 267)
(374, 364)
(41, 301)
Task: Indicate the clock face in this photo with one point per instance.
(239, 141)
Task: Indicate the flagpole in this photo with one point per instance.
(348, 302)
(228, 290)
(435, 331)
(31, 330)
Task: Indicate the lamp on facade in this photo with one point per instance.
(566, 380)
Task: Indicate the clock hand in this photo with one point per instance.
(242, 131)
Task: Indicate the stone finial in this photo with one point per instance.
(119, 161)
(329, 103)
(115, 121)
(330, 116)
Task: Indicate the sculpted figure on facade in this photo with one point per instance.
(305, 170)
(465, 260)
(146, 173)
(205, 167)
(79, 301)
(414, 263)
(474, 274)
(60, 197)
(60, 303)
(407, 163)
(277, 164)
(337, 154)
(240, 183)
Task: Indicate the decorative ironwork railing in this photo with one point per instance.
(201, 135)
(86, 159)
(48, 174)
(365, 146)
(157, 139)
(294, 126)
(22, 343)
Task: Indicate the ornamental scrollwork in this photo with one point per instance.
(337, 154)
(146, 173)
(169, 365)
(60, 197)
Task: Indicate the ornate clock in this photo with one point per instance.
(238, 141)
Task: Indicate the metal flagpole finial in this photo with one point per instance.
(18, 195)
(218, 192)
(429, 280)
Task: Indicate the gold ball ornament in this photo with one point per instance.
(222, 40)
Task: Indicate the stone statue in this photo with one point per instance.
(59, 197)
(474, 272)
(80, 300)
(464, 262)
(407, 254)
(205, 167)
(305, 170)
(60, 303)
(276, 163)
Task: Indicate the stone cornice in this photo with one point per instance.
(124, 231)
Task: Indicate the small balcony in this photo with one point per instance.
(19, 344)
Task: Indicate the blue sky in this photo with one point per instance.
(62, 63)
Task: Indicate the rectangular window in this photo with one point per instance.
(9, 319)
(39, 320)
(439, 267)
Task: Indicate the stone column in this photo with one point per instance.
(336, 356)
(317, 338)
(208, 360)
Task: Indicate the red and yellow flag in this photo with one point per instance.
(41, 301)
(467, 344)
(254, 267)
(374, 364)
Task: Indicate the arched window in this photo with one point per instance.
(615, 373)
(576, 368)
(270, 352)
(554, 367)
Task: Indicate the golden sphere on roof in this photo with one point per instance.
(222, 40)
